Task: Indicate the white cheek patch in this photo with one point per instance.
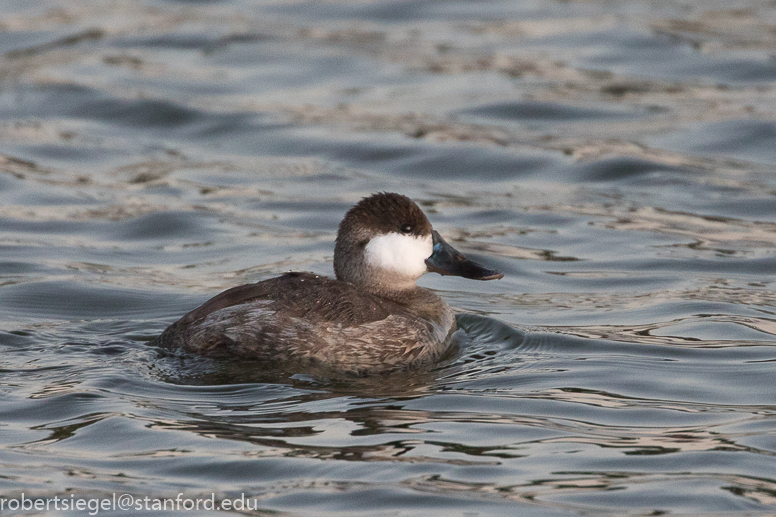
(403, 254)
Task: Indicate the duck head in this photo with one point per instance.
(385, 243)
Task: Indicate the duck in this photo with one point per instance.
(371, 318)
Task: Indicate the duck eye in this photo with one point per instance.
(406, 228)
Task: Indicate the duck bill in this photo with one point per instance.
(447, 260)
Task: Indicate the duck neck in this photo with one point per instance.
(378, 283)
(394, 291)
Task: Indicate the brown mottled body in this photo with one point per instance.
(309, 318)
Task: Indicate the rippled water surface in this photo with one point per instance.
(617, 160)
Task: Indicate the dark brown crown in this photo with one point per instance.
(385, 213)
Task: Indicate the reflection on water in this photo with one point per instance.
(615, 161)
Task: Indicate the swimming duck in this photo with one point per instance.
(371, 318)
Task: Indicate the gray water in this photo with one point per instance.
(615, 159)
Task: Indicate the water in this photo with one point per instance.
(615, 160)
